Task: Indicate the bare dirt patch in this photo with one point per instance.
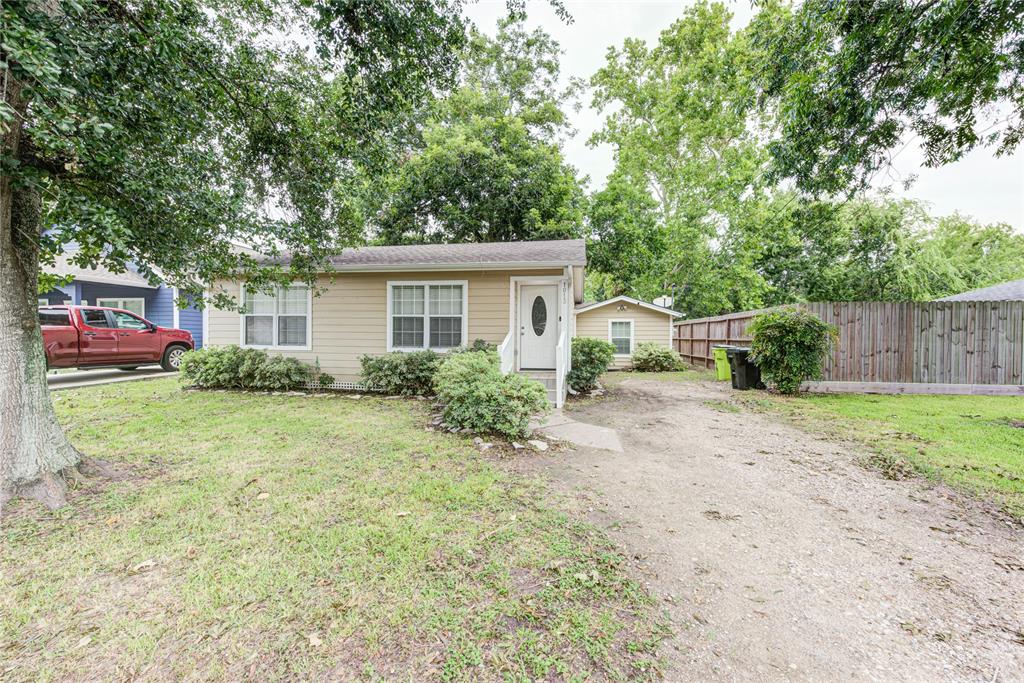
(779, 556)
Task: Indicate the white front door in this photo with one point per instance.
(538, 326)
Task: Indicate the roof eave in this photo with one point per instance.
(479, 265)
(635, 302)
(100, 280)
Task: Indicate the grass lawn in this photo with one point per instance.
(289, 537)
(975, 443)
(690, 374)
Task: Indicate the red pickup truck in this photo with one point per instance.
(93, 336)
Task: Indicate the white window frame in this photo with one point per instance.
(426, 284)
(102, 302)
(274, 346)
(632, 335)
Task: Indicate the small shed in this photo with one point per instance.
(626, 323)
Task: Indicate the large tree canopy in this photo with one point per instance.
(687, 159)
(488, 167)
(694, 207)
(161, 131)
(850, 80)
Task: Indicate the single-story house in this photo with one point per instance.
(520, 296)
(128, 290)
(1004, 291)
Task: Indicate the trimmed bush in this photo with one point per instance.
(477, 345)
(654, 357)
(232, 367)
(790, 347)
(478, 397)
(590, 359)
(401, 374)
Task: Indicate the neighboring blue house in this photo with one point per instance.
(128, 290)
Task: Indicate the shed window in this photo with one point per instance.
(280, 318)
(620, 334)
(426, 315)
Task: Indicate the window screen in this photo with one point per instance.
(427, 315)
(277, 318)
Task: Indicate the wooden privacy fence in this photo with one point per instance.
(945, 342)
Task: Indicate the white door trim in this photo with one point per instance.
(516, 285)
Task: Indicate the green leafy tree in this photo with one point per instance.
(488, 167)
(850, 80)
(521, 72)
(161, 131)
(874, 250)
(626, 241)
(485, 179)
(960, 254)
(687, 155)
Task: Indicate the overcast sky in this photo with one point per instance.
(981, 185)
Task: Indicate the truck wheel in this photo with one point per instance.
(172, 358)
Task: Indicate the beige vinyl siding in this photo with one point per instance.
(648, 325)
(350, 315)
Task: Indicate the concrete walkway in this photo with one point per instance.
(88, 378)
(560, 426)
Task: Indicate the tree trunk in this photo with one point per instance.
(35, 455)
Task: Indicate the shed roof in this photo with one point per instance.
(474, 255)
(1005, 291)
(590, 305)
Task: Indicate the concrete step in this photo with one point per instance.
(547, 378)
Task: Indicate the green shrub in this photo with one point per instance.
(232, 367)
(400, 373)
(324, 379)
(477, 345)
(790, 347)
(654, 357)
(478, 397)
(278, 373)
(590, 359)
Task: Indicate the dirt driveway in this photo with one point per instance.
(778, 557)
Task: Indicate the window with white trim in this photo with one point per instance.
(280, 318)
(620, 334)
(136, 305)
(426, 315)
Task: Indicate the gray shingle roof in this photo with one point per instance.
(1005, 291)
(547, 252)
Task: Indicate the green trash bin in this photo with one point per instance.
(721, 356)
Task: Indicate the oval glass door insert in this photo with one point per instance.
(539, 316)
